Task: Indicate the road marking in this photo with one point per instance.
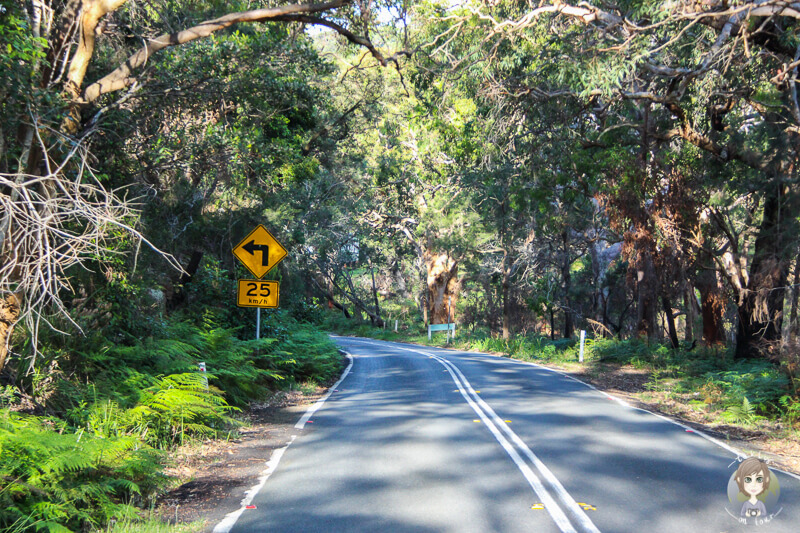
(497, 427)
(571, 505)
(313, 409)
(739, 454)
(230, 519)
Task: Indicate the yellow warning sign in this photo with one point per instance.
(259, 251)
(257, 293)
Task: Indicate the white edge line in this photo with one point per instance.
(230, 519)
(738, 453)
(313, 409)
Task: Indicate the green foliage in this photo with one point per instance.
(21, 55)
(152, 525)
(179, 406)
(56, 479)
(742, 387)
(790, 408)
(744, 413)
(121, 400)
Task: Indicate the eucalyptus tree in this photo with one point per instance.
(717, 76)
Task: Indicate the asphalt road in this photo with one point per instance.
(418, 439)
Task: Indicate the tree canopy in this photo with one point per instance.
(564, 165)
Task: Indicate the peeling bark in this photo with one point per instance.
(712, 306)
(9, 314)
(443, 286)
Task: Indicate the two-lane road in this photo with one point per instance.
(418, 439)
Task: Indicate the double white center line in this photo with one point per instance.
(565, 511)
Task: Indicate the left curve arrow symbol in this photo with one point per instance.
(251, 248)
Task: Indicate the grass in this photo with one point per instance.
(152, 525)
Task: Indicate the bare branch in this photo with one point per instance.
(52, 225)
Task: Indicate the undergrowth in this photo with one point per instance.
(84, 438)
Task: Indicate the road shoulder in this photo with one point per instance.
(217, 473)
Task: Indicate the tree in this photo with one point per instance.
(53, 116)
(717, 77)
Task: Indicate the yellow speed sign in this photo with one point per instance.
(257, 293)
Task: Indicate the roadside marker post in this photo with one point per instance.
(583, 341)
(450, 317)
(202, 367)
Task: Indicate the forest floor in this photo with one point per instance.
(216, 474)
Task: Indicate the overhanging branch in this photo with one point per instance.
(122, 76)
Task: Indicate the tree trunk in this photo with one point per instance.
(328, 295)
(442, 285)
(646, 295)
(670, 318)
(596, 289)
(179, 291)
(489, 308)
(761, 306)
(569, 328)
(712, 306)
(690, 303)
(794, 327)
(567, 277)
(423, 300)
(9, 314)
(374, 291)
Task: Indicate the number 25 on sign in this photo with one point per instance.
(257, 293)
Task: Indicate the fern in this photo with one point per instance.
(68, 481)
(179, 405)
(745, 413)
